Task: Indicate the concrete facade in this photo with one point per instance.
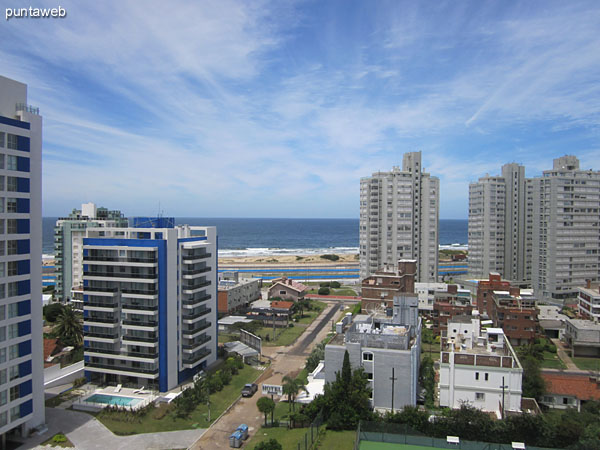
(150, 303)
(500, 225)
(399, 219)
(68, 245)
(583, 336)
(21, 348)
(448, 304)
(379, 344)
(378, 290)
(237, 293)
(566, 238)
(588, 302)
(475, 364)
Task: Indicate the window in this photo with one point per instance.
(13, 308)
(13, 291)
(3, 398)
(369, 376)
(13, 352)
(12, 268)
(479, 396)
(2, 334)
(11, 247)
(14, 393)
(13, 330)
(11, 226)
(11, 184)
(2, 307)
(477, 375)
(1, 182)
(2, 376)
(12, 141)
(282, 292)
(565, 401)
(2, 295)
(15, 413)
(2, 247)
(487, 376)
(2, 355)
(367, 356)
(1, 138)
(2, 270)
(11, 162)
(3, 418)
(1, 160)
(11, 205)
(1, 226)
(13, 373)
(1, 204)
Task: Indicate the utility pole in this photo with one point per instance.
(503, 387)
(393, 378)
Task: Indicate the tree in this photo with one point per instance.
(427, 380)
(533, 383)
(271, 444)
(316, 355)
(324, 291)
(68, 327)
(52, 311)
(346, 369)
(265, 405)
(291, 388)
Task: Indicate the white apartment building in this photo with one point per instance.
(566, 238)
(588, 301)
(21, 354)
(500, 225)
(399, 219)
(479, 367)
(68, 246)
(150, 303)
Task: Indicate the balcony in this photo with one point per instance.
(96, 321)
(92, 289)
(195, 329)
(195, 357)
(141, 323)
(191, 259)
(151, 292)
(143, 276)
(192, 317)
(140, 307)
(196, 343)
(194, 301)
(192, 273)
(119, 259)
(191, 288)
(151, 340)
(129, 369)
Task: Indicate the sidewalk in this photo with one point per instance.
(563, 355)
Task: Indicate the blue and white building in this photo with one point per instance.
(21, 354)
(150, 303)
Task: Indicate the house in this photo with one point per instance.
(378, 290)
(236, 293)
(388, 348)
(448, 304)
(287, 289)
(569, 389)
(583, 337)
(478, 366)
(588, 299)
(552, 321)
(267, 311)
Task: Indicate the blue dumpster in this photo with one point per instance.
(243, 428)
(235, 440)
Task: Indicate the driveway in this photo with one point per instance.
(87, 433)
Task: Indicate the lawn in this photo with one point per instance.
(287, 438)
(552, 361)
(587, 363)
(431, 350)
(285, 336)
(337, 440)
(155, 421)
(311, 315)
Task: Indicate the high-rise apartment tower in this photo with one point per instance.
(21, 356)
(399, 219)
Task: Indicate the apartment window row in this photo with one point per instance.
(9, 140)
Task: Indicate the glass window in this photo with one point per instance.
(367, 356)
(12, 141)
(1, 182)
(2, 334)
(2, 376)
(2, 355)
(2, 398)
(13, 373)
(1, 226)
(1, 204)
(3, 418)
(11, 226)
(11, 205)
(13, 308)
(1, 138)
(12, 268)
(2, 307)
(13, 330)
(1, 160)
(11, 248)
(15, 413)
(13, 352)
(11, 184)
(13, 291)
(11, 162)
(2, 269)
(2, 246)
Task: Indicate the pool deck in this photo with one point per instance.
(144, 395)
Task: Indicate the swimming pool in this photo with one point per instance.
(106, 399)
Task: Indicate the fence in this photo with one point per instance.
(312, 434)
(404, 434)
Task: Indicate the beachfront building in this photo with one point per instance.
(150, 303)
(399, 212)
(287, 289)
(479, 367)
(378, 290)
(566, 238)
(21, 350)
(236, 293)
(387, 347)
(68, 247)
(500, 225)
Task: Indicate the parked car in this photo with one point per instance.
(249, 389)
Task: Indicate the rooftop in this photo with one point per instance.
(582, 386)
(584, 324)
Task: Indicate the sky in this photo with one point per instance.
(277, 109)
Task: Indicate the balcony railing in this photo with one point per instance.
(100, 319)
(139, 323)
(101, 304)
(197, 314)
(140, 307)
(195, 357)
(101, 335)
(127, 337)
(193, 287)
(121, 368)
(196, 271)
(196, 343)
(197, 328)
(99, 289)
(144, 276)
(119, 259)
(194, 301)
(140, 291)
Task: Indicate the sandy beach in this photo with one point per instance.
(289, 259)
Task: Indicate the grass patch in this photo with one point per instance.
(587, 363)
(155, 421)
(344, 291)
(337, 440)
(60, 398)
(59, 440)
(285, 336)
(431, 350)
(552, 361)
(287, 438)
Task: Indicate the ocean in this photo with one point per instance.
(250, 237)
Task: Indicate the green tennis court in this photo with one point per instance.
(369, 445)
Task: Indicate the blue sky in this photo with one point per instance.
(277, 109)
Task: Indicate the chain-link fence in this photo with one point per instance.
(311, 435)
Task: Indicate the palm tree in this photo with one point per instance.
(68, 327)
(291, 388)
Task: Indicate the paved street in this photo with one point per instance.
(284, 361)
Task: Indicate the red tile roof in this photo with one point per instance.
(282, 305)
(50, 348)
(290, 283)
(584, 386)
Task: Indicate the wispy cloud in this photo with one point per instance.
(231, 108)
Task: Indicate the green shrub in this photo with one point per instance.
(335, 284)
(59, 438)
(324, 284)
(324, 291)
(79, 382)
(330, 257)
